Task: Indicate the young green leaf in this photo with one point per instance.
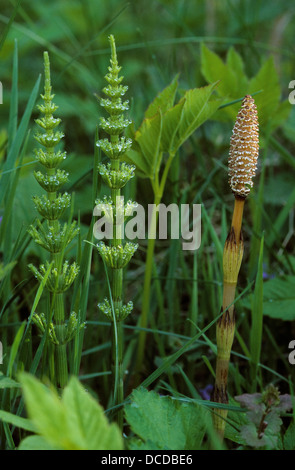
(171, 122)
(214, 69)
(268, 100)
(234, 84)
(35, 443)
(148, 136)
(163, 101)
(279, 298)
(74, 422)
(166, 423)
(197, 109)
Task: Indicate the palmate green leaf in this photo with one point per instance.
(86, 416)
(138, 444)
(233, 81)
(234, 84)
(235, 63)
(143, 168)
(279, 298)
(164, 422)
(196, 110)
(35, 443)
(267, 101)
(171, 122)
(163, 101)
(170, 127)
(281, 115)
(74, 422)
(148, 137)
(289, 437)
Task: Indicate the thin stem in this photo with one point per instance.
(147, 284)
(237, 217)
(61, 348)
(158, 189)
(117, 289)
(117, 366)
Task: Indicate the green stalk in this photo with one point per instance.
(143, 322)
(117, 369)
(61, 348)
(257, 321)
(117, 287)
(53, 236)
(158, 189)
(116, 256)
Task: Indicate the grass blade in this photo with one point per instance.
(8, 25)
(18, 141)
(257, 319)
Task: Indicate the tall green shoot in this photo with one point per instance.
(54, 236)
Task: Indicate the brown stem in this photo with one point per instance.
(237, 217)
(225, 330)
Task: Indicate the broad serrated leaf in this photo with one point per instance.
(166, 126)
(165, 422)
(171, 121)
(279, 298)
(282, 114)
(213, 70)
(86, 417)
(148, 137)
(163, 101)
(196, 110)
(138, 444)
(234, 84)
(35, 443)
(235, 63)
(143, 168)
(74, 422)
(268, 100)
(289, 437)
(268, 438)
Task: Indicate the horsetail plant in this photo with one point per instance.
(243, 155)
(54, 236)
(115, 175)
